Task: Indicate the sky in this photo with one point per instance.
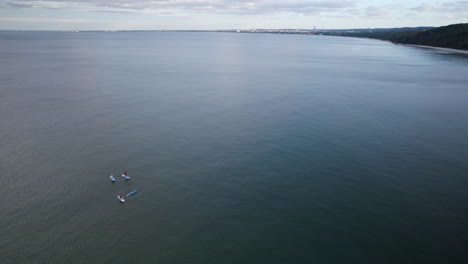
(235, 14)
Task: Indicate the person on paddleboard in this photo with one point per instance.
(120, 195)
(125, 173)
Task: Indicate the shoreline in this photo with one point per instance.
(411, 45)
(433, 47)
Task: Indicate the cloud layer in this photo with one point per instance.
(209, 14)
(235, 6)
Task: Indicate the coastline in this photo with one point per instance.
(413, 45)
(438, 48)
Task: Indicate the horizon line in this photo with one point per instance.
(214, 30)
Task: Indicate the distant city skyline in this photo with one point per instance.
(237, 14)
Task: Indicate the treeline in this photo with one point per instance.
(452, 36)
(377, 33)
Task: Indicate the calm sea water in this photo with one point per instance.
(247, 148)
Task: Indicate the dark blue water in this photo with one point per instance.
(246, 148)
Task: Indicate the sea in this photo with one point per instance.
(245, 148)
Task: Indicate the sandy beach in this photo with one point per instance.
(439, 48)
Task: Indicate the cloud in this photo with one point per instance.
(459, 6)
(450, 10)
(53, 4)
(235, 6)
(373, 11)
(15, 19)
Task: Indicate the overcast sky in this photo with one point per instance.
(217, 14)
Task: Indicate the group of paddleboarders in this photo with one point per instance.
(126, 177)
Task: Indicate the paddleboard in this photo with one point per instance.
(121, 199)
(131, 193)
